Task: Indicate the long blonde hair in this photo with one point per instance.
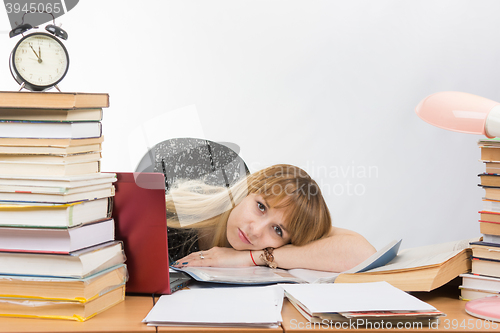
(196, 205)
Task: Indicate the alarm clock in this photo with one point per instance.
(39, 61)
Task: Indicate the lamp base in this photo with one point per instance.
(487, 308)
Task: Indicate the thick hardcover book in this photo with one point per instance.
(49, 215)
(46, 143)
(63, 289)
(419, 269)
(485, 250)
(476, 286)
(87, 193)
(486, 266)
(50, 130)
(56, 240)
(79, 264)
(52, 100)
(52, 115)
(49, 169)
(31, 308)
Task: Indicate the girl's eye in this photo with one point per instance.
(278, 231)
(261, 207)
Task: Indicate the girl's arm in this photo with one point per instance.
(341, 250)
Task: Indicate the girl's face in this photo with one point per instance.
(253, 225)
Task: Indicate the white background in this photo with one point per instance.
(330, 86)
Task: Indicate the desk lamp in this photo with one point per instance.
(461, 112)
(466, 113)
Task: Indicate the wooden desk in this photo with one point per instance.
(444, 299)
(127, 317)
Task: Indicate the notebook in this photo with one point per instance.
(141, 223)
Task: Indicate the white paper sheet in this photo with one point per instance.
(249, 306)
(350, 297)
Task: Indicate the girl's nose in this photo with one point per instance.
(257, 229)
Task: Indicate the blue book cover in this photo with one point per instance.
(380, 258)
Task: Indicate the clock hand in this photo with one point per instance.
(39, 59)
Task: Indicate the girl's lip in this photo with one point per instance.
(243, 236)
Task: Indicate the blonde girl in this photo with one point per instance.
(275, 217)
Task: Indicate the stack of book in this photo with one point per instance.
(484, 279)
(58, 254)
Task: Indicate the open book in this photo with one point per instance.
(419, 269)
(265, 275)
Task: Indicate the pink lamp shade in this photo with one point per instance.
(461, 112)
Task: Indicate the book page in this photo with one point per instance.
(424, 256)
(313, 276)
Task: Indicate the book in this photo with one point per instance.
(489, 153)
(52, 100)
(491, 206)
(477, 286)
(475, 281)
(58, 184)
(489, 216)
(470, 294)
(485, 266)
(492, 239)
(50, 130)
(63, 289)
(78, 264)
(485, 250)
(488, 227)
(327, 301)
(77, 311)
(49, 143)
(218, 307)
(491, 180)
(84, 193)
(56, 240)
(264, 275)
(49, 150)
(49, 169)
(51, 158)
(60, 190)
(36, 114)
(492, 167)
(419, 269)
(491, 193)
(49, 215)
(488, 142)
(489, 149)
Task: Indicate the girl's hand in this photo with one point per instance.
(218, 257)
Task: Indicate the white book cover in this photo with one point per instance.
(50, 130)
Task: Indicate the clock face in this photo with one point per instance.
(40, 61)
